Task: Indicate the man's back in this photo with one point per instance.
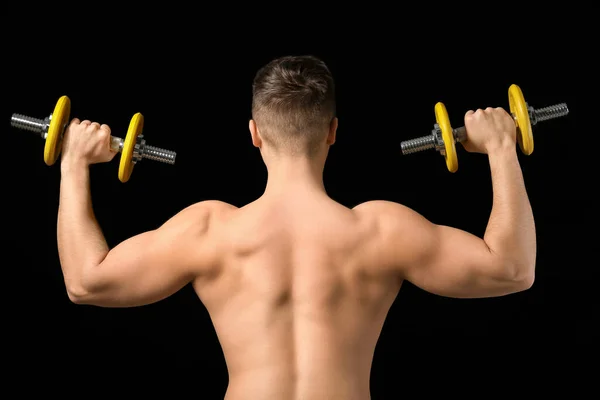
(295, 308)
(297, 285)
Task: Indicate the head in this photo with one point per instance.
(293, 109)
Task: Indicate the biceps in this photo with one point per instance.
(138, 271)
(459, 264)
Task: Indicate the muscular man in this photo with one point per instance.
(297, 285)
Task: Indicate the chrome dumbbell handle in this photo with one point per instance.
(142, 150)
(434, 140)
(35, 125)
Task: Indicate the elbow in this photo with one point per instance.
(84, 288)
(75, 296)
(525, 282)
(521, 275)
(78, 294)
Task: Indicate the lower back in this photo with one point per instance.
(273, 385)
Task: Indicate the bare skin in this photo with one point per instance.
(297, 286)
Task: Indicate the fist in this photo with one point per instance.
(489, 129)
(86, 142)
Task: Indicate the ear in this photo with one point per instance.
(256, 140)
(332, 131)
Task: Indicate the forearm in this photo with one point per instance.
(81, 243)
(510, 232)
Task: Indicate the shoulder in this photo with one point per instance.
(391, 220)
(382, 210)
(199, 217)
(209, 207)
(396, 236)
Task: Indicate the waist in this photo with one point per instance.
(286, 384)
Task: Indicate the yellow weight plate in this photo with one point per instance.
(136, 125)
(441, 117)
(60, 118)
(518, 109)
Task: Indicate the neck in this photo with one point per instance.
(294, 176)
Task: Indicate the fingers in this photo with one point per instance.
(487, 110)
(478, 111)
(503, 111)
(469, 115)
(87, 122)
(105, 128)
(77, 122)
(102, 134)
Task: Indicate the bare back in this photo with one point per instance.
(296, 313)
(297, 286)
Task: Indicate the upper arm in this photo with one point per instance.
(153, 265)
(439, 259)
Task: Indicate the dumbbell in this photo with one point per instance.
(443, 137)
(133, 148)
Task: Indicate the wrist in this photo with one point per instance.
(501, 149)
(68, 166)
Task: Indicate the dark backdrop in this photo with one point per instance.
(193, 85)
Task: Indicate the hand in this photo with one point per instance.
(86, 143)
(489, 129)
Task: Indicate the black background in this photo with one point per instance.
(192, 82)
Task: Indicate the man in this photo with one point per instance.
(297, 285)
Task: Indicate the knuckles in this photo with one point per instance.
(488, 111)
(102, 134)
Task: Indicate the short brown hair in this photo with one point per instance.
(293, 103)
